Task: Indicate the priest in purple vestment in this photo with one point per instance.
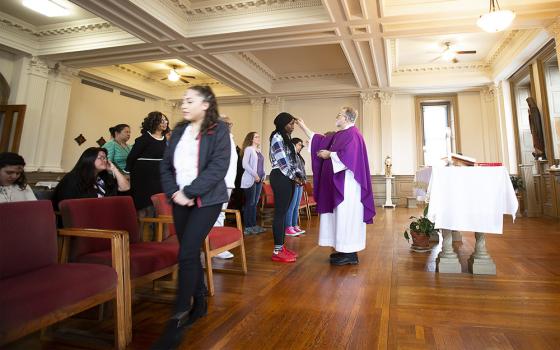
(342, 187)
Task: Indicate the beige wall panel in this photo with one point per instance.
(240, 115)
(319, 115)
(403, 135)
(470, 124)
(7, 66)
(92, 111)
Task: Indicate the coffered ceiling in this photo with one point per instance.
(262, 47)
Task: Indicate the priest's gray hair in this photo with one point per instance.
(350, 114)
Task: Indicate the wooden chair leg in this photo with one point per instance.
(209, 277)
(243, 259)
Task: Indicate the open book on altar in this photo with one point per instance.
(461, 160)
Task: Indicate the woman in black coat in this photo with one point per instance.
(143, 161)
(192, 175)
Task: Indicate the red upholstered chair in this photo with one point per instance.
(35, 290)
(267, 203)
(218, 240)
(309, 198)
(303, 206)
(148, 260)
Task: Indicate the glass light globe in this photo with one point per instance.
(173, 76)
(448, 55)
(495, 21)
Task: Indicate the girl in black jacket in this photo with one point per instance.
(192, 175)
(93, 176)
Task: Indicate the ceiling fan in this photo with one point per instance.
(173, 75)
(451, 55)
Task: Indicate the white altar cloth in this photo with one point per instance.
(471, 198)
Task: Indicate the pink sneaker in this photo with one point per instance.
(298, 229)
(290, 252)
(291, 232)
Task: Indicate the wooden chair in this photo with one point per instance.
(147, 261)
(37, 291)
(309, 198)
(218, 240)
(266, 207)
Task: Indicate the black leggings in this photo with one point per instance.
(192, 225)
(283, 189)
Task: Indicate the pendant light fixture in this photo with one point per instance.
(496, 19)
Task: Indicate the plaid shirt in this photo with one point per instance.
(282, 159)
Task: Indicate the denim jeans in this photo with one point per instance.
(293, 212)
(250, 207)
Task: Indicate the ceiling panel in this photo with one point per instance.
(319, 58)
(423, 50)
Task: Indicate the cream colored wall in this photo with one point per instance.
(240, 116)
(92, 111)
(403, 135)
(7, 65)
(470, 124)
(319, 115)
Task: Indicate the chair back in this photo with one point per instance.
(108, 213)
(27, 238)
(267, 195)
(163, 207)
(308, 188)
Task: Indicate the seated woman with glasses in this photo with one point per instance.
(93, 176)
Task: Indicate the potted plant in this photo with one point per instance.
(419, 230)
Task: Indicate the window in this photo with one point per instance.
(435, 121)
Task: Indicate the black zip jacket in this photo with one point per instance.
(209, 187)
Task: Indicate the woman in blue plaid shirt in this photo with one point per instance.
(284, 175)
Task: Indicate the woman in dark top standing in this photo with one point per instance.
(192, 175)
(93, 176)
(143, 161)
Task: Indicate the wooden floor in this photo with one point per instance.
(392, 300)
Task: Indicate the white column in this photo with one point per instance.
(448, 261)
(480, 262)
(257, 108)
(491, 139)
(273, 106)
(386, 127)
(53, 121)
(31, 91)
(554, 29)
(371, 130)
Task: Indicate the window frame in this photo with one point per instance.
(452, 120)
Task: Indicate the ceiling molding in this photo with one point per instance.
(238, 8)
(309, 75)
(499, 48)
(255, 62)
(457, 67)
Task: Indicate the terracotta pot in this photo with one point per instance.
(420, 239)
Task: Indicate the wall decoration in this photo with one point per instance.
(101, 141)
(80, 139)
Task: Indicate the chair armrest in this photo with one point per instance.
(117, 238)
(120, 261)
(160, 220)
